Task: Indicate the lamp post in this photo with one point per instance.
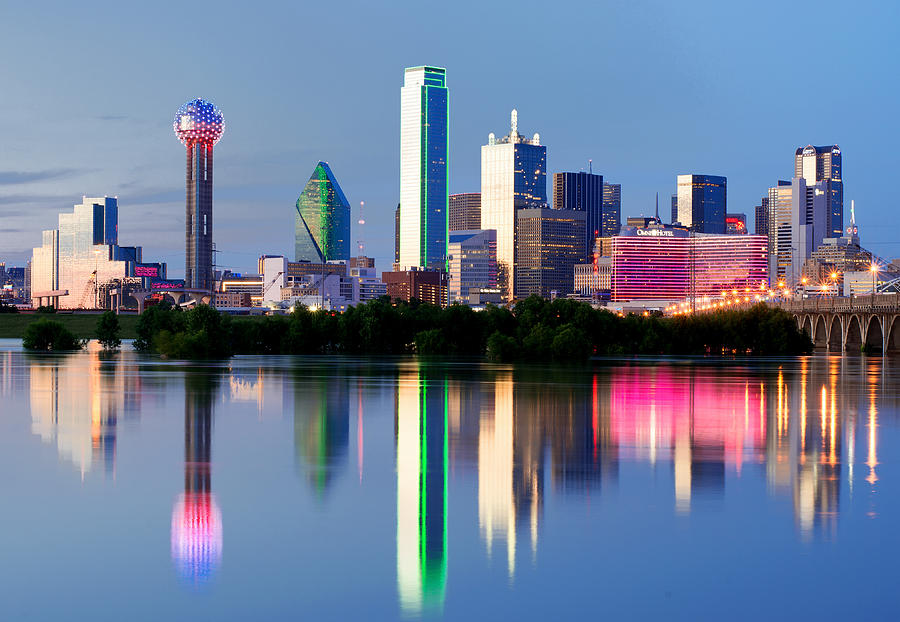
(874, 270)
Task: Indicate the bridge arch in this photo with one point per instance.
(806, 325)
(853, 338)
(874, 334)
(893, 340)
(835, 333)
(820, 332)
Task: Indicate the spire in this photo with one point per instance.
(591, 167)
(657, 208)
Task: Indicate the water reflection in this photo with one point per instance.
(517, 446)
(196, 517)
(422, 470)
(321, 428)
(76, 403)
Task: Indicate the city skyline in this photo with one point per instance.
(109, 148)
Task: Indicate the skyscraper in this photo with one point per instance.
(582, 192)
(198, 125)
(702, 202)
(424, 136)
(612, 210)
(323, 219)
(674, 209)
(513, 176)
(815, 164)
(465, 211)
(761, 219)
(798, 217)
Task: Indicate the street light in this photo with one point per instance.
(874, 270)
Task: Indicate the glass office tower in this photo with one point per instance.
(815, 164)
(424, 136)
(582, 192)
(513, 176)
(702, 202)
(323, 219)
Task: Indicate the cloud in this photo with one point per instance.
(31, 199)
(9, 178)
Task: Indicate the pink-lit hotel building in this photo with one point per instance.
(663, 263)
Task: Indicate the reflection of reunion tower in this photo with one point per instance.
(198, 125)
(196, 519)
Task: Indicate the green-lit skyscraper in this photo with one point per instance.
(323, 219)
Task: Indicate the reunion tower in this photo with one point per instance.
(198, 125)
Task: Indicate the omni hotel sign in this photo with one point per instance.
(656, 233)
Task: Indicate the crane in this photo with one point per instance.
(271, 283)
(91, 285)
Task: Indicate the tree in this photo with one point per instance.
(108, 331)
(49, 335)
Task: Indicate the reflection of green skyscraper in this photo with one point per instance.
(422, 468)
(321, 428)
(323, 219)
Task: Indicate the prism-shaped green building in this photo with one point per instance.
(323, 219)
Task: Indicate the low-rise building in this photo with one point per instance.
(425, 285)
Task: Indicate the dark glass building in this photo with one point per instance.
(702, 202)
(323, 219)
(583, 192)
(761, 217)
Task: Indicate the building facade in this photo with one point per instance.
(736, 224)
(761, 217)
(426, 285)
(465, 211)
(424, 136)
(593, 278)
(583, 192)
(612, 209)
(473, 262)
(322, 228)
(662, 263)
(513, 177)
(82, 256)
(823, 164)
(199, 125)
(798, 224)
(549, 242)
(702, 202)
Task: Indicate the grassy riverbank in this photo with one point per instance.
(82, 325)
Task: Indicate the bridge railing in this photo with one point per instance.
(842, 304)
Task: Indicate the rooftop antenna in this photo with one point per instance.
(852, 213)
(360, 243)
(591, 167)
(514, 123)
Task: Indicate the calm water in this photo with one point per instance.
(329, 488)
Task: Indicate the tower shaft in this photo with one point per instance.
(198, 272)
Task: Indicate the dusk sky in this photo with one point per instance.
(647, 90)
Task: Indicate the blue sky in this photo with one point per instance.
(647, 90)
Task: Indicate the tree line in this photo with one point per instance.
(535, 329)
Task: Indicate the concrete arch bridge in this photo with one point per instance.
(849, 324)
